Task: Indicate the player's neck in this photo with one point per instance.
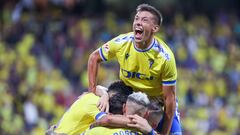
(144, 45)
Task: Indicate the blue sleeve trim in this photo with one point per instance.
(101, 54)
(169, 82)
(151, 133)
(100, 115)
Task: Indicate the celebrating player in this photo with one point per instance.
(84, 111)
(145, 125)
(137, 104)
(146, 64)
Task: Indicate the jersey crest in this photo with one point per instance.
(126, 56)
(151, 61)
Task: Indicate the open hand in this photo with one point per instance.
(139, 123)
(103, 104)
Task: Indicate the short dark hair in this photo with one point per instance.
(120, 87)
(155, 109)
(121, 92)
(154, 106)
(146, 7)
(116, 103)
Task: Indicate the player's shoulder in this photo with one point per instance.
(162, 48)
(122, 38)
(88, 95)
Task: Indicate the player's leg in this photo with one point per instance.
(176, 128)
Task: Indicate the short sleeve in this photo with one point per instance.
(109, 49)
(169, 74)
(94, 112)
(100, 115)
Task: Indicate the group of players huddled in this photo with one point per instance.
(144, 101)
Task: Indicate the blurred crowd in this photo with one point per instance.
(43, 66)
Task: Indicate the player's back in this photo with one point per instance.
(111, 131)
(80, 115)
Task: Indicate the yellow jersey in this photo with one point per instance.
(145, 70)
(82, 113)
(110, 131)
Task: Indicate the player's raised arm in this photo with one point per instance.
(93, 62)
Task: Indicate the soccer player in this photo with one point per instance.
(146, 64)
(153, 116)
(84, 111)
(136, 104)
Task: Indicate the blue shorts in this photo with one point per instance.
(176, 128)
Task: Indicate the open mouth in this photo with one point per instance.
(138, 33)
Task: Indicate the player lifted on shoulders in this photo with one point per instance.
(146, 64)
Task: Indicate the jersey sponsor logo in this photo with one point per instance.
(137, 75)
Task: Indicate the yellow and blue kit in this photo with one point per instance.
(145, 70)
(82, 113)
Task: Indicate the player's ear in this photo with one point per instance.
(146, 115)
(124, 108)
(155, 28)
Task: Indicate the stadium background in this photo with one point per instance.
(45, 44)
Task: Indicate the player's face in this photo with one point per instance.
(143, 26)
